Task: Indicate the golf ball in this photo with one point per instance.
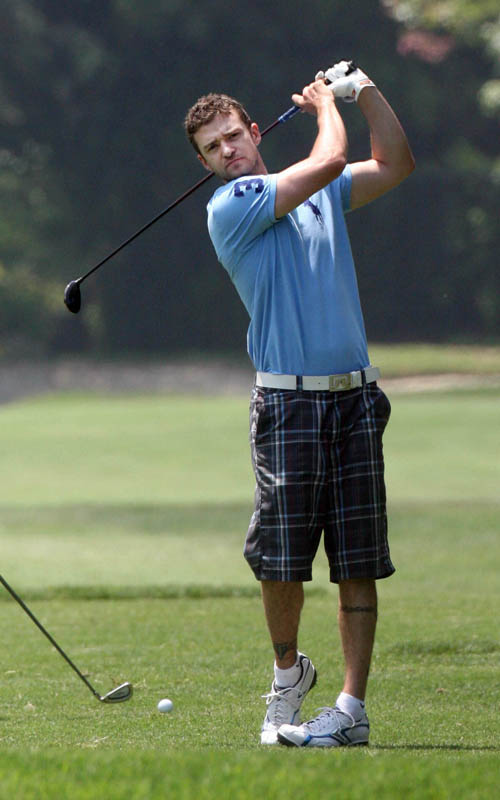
(165, 705)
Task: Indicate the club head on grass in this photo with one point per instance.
(73, 297)
(118, 695)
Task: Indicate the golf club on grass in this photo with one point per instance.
(72, 294)
(118, 695)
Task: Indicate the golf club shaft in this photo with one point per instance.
(47, 634)
(283, 118)
(148, 225)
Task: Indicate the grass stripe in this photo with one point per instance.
(165, 592)
(271, 775)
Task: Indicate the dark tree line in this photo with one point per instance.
(92, 97)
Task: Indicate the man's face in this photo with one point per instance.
(229, 148)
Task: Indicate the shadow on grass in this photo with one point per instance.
(191, 591)
(443, 647)
(148, 518)
(156, 518)
(488, 748)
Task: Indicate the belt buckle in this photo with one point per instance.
(339, 383)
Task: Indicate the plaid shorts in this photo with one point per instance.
(318, 463)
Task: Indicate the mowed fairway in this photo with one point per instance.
(122, 523)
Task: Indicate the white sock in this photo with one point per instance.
(287, 677)
(351, 705)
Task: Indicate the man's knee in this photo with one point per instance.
(358, 593)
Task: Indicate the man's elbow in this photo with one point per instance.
(407, 165)
(400, 171)
(336, 165)
(341, 163)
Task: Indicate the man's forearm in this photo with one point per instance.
(389, 145)
(331, 139)
(327, 158)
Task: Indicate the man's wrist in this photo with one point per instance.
(326, 105)
(366, 83)
(366, 97)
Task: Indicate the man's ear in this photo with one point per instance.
(255, 133)
(202, 160)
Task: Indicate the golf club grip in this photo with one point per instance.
(283, 118)
(46, 633)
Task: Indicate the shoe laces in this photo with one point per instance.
(328, 715)
(278, 702)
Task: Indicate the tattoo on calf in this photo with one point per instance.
(282, 648)
(359, 610)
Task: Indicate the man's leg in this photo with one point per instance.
(346, 724)
(357, 623)
(283, 604)
(294, 674)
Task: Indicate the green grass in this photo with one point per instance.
(152, 451)
(114, 517)
(142, 776)
(125, 450)
(417, 359)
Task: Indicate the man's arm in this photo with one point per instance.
(327, 158)
(392, 160)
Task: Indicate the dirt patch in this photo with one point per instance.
(192, 377)
(439, 383)
(198, 377)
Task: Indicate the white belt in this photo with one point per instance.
(319, 383)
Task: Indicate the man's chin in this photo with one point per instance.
(236, 171)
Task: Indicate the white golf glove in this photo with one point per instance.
(346, 80)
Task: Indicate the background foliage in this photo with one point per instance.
(92, 97)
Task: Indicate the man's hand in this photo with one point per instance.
(313, 97)
(345, 80)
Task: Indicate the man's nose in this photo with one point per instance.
(227, 149)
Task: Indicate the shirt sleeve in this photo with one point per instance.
(239, 212)
(345, 188)
(341, 187)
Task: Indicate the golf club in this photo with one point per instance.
(117, 695)
(72, 293)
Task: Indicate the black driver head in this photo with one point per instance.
(73, 297)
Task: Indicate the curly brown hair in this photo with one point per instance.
(206, 108)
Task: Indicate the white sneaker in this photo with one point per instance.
(283, 705)
(332, 728)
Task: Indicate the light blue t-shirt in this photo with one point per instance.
(295, 275)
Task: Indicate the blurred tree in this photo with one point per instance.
(433, 32)
(477, 23)
(92, 97)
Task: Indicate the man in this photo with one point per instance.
(317, 415)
